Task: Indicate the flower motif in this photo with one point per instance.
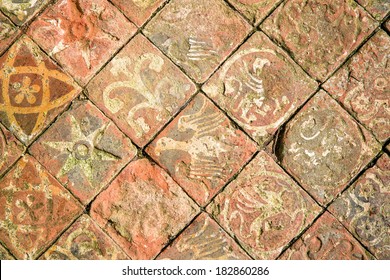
(26, 90)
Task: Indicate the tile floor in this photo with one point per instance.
(194, 129)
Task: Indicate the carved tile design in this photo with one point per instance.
(264, 208)
(324, 148)
(260, 87)
(201, 149)
(365, 208)
(35, 208)
(140, 89)
(142, 209)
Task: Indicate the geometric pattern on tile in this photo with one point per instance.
(324, 148)
(8, 32)
(377, 8)
(34, 90)
(83, 150)
(84, 240)
(138, 11)
(363, 85)
(35, 209)
(201, 149)
(204, 239)
(140, 90)
(260, 86)
(202, 37)
(319, 34)
(81, 34)
(264, 208)
(20, 11)
(10, 149)
(254, 10)
(327, 239)
(365, 208)
(142, 209)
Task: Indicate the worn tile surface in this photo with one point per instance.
(364, 208)
(264, 208)
(204, 239)
(201, 149)
(33, 90)
(324, 148)
(83, 150)
(201, 37)
(140, 90)
(260, 87)
(81, 34)
(142, 209)
(84, 240)
(194, 129)
(319, 33)
(363, 85)
(327, 239)
(35, 209)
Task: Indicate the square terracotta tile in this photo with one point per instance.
(260, 87)
(138, 11)
(10, 149)
(142, 209)
(4, 254)
(327, 239)
(201, 149)
(33, 90)
(364, 208)
(140, 90)
(8, 32)
(324, 148)
(81, 34)
(264, 208)
(34, 209)
(255, 10)
(84, 150)
(362, 85)
(319, 34)
(378, 8)
(84, 240)
(196, 37)
(21, 11)
(204, 239)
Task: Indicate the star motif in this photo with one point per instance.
(81, 150)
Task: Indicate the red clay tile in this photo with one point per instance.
(4, 255)
(140, 89)
(324, 148)
(264, 208)
(327, 239)
(201, 149)
(320, 34)
(363, 85)
(81, 34)
(21, 11)
(138, 11)
(201, 38)
(204, 239)
(8, 33)
(142, 209)
(260, 87)
(83, 150)
(84, 240)
(35, 208)
(364, 208)
(378, 8)
(34, 90)
(254, 10)
(10, 149)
